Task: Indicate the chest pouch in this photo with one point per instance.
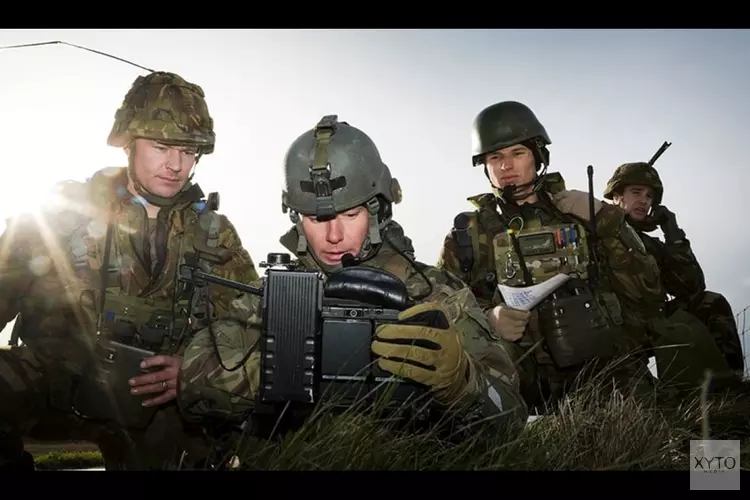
(530, 256)
(135, 322)
(572, 324)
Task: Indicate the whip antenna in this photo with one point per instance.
(38, 44)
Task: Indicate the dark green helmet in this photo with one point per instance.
(505, 124)
(333, 168)
(637, 173)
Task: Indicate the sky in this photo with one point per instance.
(606, 97)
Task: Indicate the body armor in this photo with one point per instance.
(573, 324)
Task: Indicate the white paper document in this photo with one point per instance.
(526, 298)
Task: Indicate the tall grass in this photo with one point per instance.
(593, 428)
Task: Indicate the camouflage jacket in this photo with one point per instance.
(52, 276)
(624, 267)
(208, 389)
(681, 274)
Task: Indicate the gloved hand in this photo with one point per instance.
(667, 221)
(430, 353)
(662, 215)
(509, 323)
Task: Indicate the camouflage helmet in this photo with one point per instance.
(335, 167)
(638, 173)
(505, 124)
(163, 106)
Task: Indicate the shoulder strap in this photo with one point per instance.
(472, 233)
(207, 230)
(466, 231)
(402, 269)
(484, 200)
(105, 278)
(398, 266)
(464, 247)
(490, 220)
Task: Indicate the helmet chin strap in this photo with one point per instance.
(513, 193)
(158, 201)
(370, 246)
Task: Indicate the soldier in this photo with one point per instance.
(467, 369)
(104, 257)
(637, 189)
(529, 229)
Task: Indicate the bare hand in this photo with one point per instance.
(509, 323)
(164, 381)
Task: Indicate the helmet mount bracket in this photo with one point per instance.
(321, 183)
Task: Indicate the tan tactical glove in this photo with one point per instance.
(509, 323)
(429, 353)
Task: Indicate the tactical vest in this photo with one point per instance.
(158, 324)
(536, 253)
(152, 323)
(473, 233)
(578, 321)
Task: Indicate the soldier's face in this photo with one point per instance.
(636, 201)
(331, 239)
(163, 170)
(513, 165)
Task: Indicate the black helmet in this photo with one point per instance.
(505, 124)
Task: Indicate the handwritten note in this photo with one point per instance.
(526, 298)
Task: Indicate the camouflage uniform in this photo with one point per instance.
(692, 306)
(59, 270)
(581, 322)
(358, 178)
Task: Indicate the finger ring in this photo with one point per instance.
(165, 384)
